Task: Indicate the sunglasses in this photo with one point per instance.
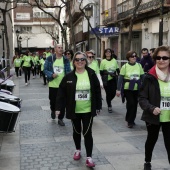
(163, 58)
(67, 53)
(79, 59)
(133, 56)
(90, 57)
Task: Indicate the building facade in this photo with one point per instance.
(36, 27)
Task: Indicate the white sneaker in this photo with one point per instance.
(33, 77)
(26, 84)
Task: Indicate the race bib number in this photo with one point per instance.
(82, 95)
(134, 77)
(165, 103)
(110, 70)
(58, 69)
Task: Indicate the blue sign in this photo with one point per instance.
(105, 30)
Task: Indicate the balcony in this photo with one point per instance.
(75, 12)
(109, 15)
(151, 6)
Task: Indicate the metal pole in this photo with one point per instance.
(27, 43)
(3, 43)
(161, 24)
(88, 42)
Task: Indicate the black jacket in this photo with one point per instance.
(149, 99)
(67, 90)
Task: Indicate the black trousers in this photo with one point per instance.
(131, 105)
(52, 98)
(153, 133)
(87, 120)
(110, 90)
(34, 71)
(18, 71)
(44, 78)
(27, 73)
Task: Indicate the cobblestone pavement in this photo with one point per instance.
(39, 143)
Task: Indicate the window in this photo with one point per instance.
(23, 1)
(26, 29)
(23, 16)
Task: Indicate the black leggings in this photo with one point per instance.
(110, 90)
(87, 121)
(131, 105)
(18, 71)
(27, 73)
(153, 133)
(52, 98)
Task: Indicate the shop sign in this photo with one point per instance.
(105, 30)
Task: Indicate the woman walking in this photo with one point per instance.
(27, 64)
(80, 91)
(129, 83)
(69, 55)
(154, 100)
(17, 65)
(42, 62)
(93, 64)
(109, 70)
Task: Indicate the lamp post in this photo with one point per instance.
(20, 45)
(62, 38)
(3, 43)
(17, 34)
(161, 23)
(64, 33)
(57, 39)
(88, 13)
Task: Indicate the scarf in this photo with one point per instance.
(161, 75)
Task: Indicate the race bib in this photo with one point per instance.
(134, 76)
(82, 95)
(165, 103)
(58, 69)
(110, 70)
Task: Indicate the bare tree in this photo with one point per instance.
(7, 6)
(42, 6)
(82, 11)
(131, 24)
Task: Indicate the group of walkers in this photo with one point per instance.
(75, 82)
(30, 62)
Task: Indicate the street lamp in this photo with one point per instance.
(3, 43)
(161, 23)
(57, 39)
(65, 25)
(19, 42)
(88, 13)
(17, 34)
(62, 38)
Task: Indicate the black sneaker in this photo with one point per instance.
(147, 166)
(130, 125)
(53, 116)
(60, 122)
(110, 110)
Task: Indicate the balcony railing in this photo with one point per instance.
(151, 5)
(109, 15)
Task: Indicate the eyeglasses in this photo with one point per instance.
(91, 56)
(79, 59)
(163, 58)
(67, 53)
(108, 51)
